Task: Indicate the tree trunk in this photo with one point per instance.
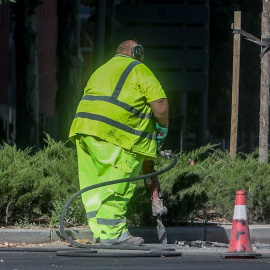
(69, 64)
(264, 93)
(27, 92)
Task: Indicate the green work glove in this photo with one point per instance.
(162, 133)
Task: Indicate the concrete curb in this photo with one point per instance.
(220, 234)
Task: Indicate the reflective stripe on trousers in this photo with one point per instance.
(100, 161)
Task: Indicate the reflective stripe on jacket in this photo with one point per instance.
(115, 106)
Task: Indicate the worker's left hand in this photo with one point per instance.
(162, 133)
(157, 206)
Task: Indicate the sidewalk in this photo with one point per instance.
(215, 233)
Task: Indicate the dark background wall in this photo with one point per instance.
(188, 45)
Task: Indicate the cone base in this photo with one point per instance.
(240, 255)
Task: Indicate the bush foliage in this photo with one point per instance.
(202, 186)
(37, 185)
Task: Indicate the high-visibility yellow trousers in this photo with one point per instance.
(100, 161)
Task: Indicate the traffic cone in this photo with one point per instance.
(240, 246)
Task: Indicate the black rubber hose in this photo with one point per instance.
(136, 178)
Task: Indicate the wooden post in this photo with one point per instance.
(235, 84)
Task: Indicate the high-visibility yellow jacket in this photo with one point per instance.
(115, 106)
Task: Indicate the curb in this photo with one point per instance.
(220, 234)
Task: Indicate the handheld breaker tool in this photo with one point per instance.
(158, 208)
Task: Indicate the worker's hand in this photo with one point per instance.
(162, 133)
(157, 206)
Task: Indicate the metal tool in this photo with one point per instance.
(161, 231)
(158, 208)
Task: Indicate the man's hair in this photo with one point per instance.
(126, 46)
(131, 48)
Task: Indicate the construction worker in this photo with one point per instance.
(114, 130)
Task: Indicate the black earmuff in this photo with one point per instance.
(138, 53)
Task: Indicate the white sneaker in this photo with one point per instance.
(137, 241)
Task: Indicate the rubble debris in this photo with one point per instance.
(201, 244)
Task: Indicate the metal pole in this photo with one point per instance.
(183, 108)
(235, 84)
(202, 134)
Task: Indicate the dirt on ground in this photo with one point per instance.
(44, 245)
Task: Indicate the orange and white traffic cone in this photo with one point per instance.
(240, 246)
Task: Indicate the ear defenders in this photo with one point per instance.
(138, 53)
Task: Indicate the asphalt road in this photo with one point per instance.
(190, 259)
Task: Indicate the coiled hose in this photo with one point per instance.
(166, 153)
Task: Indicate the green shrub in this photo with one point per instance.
(34, 185)
(202, 186)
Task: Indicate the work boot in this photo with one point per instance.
(137, 241)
